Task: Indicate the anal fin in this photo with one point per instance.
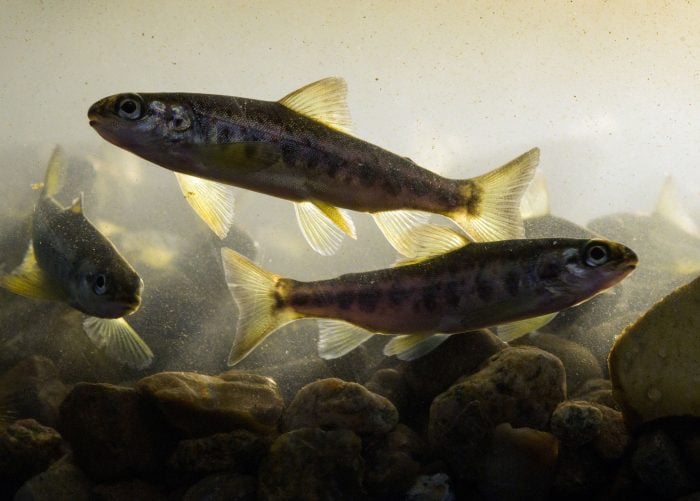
(120, 341)
(430, 240)
(398, 226)
(213, 202)
(337, 338)
(323, 225)
(413, 346)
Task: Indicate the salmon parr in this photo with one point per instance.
(299, 148)
(516, 284)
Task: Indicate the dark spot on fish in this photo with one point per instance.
(279, 302)
(452, 293)
(223, 135)
(299, 299)
(288, 154)
(549, 270)
(367, 174)
(418, 187)
(368, 299)
(391, 185)
(344, 299)
(512, 282)
(429, 298)
(250, 150)
(473, 195)
(312, 161)
(484, 288)
(397, 295)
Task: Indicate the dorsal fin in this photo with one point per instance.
(54, 178)
(669, 207)
(323, 101)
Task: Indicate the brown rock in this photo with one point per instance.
(199, 405)
(576, 423)
(224, 487)
(113, 431)
(333, 403)
(311, 463)
(62, 481)
(390, 384)
(596, 390)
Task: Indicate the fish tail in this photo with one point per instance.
(492, 211)
(55, 174)
(259, 312)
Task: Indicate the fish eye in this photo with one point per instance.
(99, 284)
(596, 254)
(130, 107)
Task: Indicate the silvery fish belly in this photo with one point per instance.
(69, 260)
(517, 285)
(299, 148)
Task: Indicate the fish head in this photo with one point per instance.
(579, 269)
(138, 122)
(106, 286)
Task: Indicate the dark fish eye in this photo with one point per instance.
(99, 284)
(130, 107)
(596, 254)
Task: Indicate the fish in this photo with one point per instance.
(69, 260)
(452, 287)
(300, 148)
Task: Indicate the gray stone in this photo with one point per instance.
(199, 405)
(224, 487)
(311, 463)
(576, 423)
(334, 403)
(63, 481)
(113, 431)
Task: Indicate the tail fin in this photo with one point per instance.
(253, 290)
(493, 210)
(54, 178)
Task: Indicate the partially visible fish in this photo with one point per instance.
(69, 260)
(299, 148)
(520, 283)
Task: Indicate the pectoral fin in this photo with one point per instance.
(323, 101)
(514, 330)
(412, 346)
(29, 280)
(213, 202)
(337, 338)
(323, 225)
(120, 341)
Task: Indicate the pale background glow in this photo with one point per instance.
(608, 90)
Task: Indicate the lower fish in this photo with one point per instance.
(69, 260)
(300, 149)
(514, 285)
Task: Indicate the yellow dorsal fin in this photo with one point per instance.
(29, 280)
(54, 178)
(323, 101)
(669, 207)
(76, 206)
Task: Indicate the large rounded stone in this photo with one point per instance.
(199, 405)
(113, 431)
(311, 463)
(654, 363)
(334, 403)
(62, 481)
(223, 487)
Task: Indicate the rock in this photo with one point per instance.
(431, 488)
(579, 362)
(334, 403)
(311, 463)
(392, 462)
(659, 465)
(132, 490)
(613, 438)
(459, 356)
(581, 474)
(113, 431)
(576, 423)
(519, 385)
(239, 451)
(293, 375)
(33, 389)
(26, 449)
(390, 384)
(224, 487)
(199, 405)
(63, 481)
(654, 363)
(596, 390)
(521, 464)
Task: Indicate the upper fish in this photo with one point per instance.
(69, 260)
(300, 148)
(516, 285)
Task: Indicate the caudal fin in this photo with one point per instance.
(253, 290)
(493, 208)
